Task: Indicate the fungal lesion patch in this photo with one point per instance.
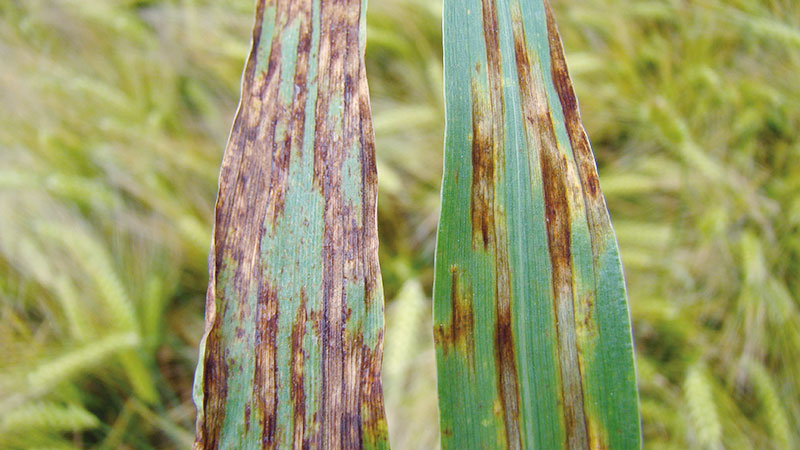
(482, 190)
(459, 333)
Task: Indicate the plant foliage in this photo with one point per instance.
(115, 115)
(530, 315)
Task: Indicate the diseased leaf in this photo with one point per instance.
(291, 357)
(531, 320)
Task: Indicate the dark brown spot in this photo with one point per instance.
(507, 383)
(369, 190)
(247, 412)
(441, 337)
(301, 75)
(492, 41)
(458, 334)
(482, 191)
(579, 141)
(557, 216)
(215, 392)
(297, 389)
(373, 421)
(462, 324)
(461, 309)
(265, 379)
(487, 134)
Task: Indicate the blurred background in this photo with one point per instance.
(114, 116)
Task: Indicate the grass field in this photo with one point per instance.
(113, 119)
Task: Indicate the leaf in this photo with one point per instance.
(47, 375)
(702, 409)
(47, 416)
(531, 321)
(291, 356)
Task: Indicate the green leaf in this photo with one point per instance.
(530, 314)
(47, 416)
(291, 357)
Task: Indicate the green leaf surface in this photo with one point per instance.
(531, 319)
(291, 357)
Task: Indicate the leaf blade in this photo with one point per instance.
(294, 312)
(541, 273)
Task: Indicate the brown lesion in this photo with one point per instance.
(265, 378)
(588, 316)
(459, 334)
(349, 252)
(596, 211)
(247, 412)
(252, 190)
(558, 219)
(487, 134)
(482, 190)
(215, 387)
(329, 153)
(557, 216)
(496, 243)
(507, 382)
(504, 348)
(579, 141)
(505, 358)
(293, 114)
(373, 419)
(369, 195)
(462, 322)
(492, 42)
(297, 387)
(252, 187)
